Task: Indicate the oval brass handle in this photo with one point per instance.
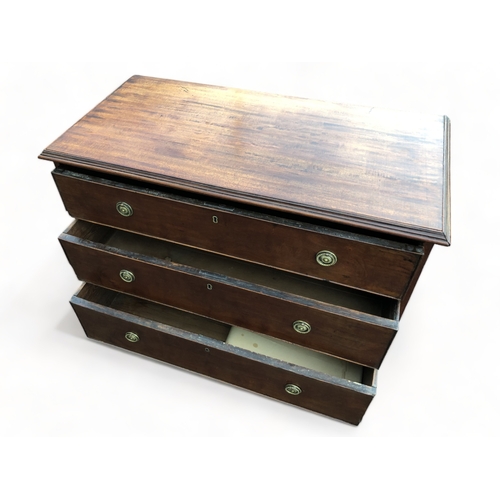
(326, 258)
(124, 209)
(132, 337)
(293, 389)
(127, 276)
(301, 326)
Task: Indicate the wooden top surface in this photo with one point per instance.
(368, 167)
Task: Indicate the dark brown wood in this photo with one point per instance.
(416, 275)
(365, 262)
(367, 167)
(155, 312)
(346, 332)
(234, 193)
(321, 393)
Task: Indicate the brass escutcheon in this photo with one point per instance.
(301, 326)
(293, 389)
(326, 258)
(127, 276)
(132, 337)
(124, 209)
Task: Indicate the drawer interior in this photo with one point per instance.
(226, 334)
(175, 254)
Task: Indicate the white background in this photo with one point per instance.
(440, 376)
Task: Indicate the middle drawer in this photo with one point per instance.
(349, 324)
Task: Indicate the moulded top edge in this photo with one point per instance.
(378, 169)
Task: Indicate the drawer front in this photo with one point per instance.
(345, 333)
(326, 395)
(362, 262)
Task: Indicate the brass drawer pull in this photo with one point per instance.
(326, 258)
(127, 276)
(132, 337)
(124, 209)
(301, 327)
(293, 389)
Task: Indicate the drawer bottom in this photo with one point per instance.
(199, 344)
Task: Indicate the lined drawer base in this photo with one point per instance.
(199, 344)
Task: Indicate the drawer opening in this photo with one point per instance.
(298, 355)
(259, 344)
(173, 254)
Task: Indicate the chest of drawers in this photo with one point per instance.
(266, 241)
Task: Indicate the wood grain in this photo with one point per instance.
(373, 168)
(344, 332)
(321, 393)
(366, 263)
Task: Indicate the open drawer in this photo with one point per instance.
(358, 260)
(200, 344)
(350, 324)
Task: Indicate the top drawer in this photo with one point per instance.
(360, 261)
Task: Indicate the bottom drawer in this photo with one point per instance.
(202, 345)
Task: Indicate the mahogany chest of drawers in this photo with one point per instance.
(266, 241)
